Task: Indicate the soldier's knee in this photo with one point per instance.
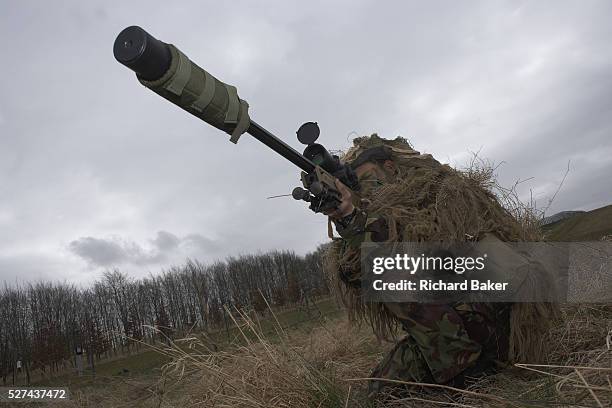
(404, 364)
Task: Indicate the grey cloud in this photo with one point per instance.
(108, 252)
(100, 252)
(201, 243)
(166, 241)
(166, 246)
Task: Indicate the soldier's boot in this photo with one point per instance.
(403, 363)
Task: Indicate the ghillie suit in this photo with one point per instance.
(423, 200)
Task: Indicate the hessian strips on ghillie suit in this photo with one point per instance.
(428, 201)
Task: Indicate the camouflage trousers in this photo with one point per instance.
(445, 344)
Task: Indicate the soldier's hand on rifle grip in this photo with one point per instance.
(346, 206)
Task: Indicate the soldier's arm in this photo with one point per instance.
(356, 225)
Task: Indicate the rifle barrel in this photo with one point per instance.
(150, 58)
(280, 147)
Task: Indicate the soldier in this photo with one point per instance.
(408, 196)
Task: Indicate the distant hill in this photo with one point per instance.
(580, 226)
(560, 216)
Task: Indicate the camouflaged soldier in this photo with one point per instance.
(408, 196)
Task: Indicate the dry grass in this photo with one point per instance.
(580, 370)
(328, 366)
(287, 370)
(483, 172)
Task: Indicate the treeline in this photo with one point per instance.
(44, 325)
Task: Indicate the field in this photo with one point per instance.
(138, 379)
(149, 361)
(315, 358)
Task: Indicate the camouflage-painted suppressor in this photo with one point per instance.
(165, 70)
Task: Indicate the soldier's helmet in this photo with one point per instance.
(375, 149)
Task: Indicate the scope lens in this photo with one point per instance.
(318, 159)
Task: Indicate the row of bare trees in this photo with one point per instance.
(44, 326)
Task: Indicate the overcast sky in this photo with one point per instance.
(98, 172)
